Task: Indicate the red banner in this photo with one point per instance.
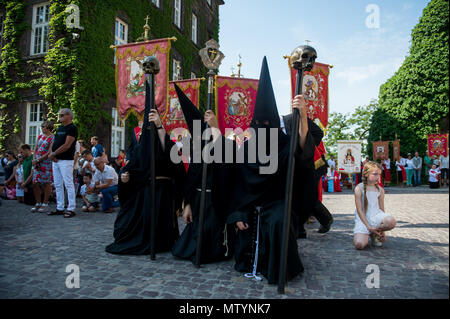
(380, 150)
(174, 120)
(235, 104)
(130, 77)
(396, 150)
(437, 144)
(315, 90)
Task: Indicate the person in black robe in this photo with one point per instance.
(132, 228)
(260, 198)
(306, 184)
(217, 243)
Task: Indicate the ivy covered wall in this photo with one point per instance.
(80, 73)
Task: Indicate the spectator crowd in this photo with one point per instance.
(60, 168)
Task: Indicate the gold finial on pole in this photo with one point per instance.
(146, 28)
(239, 66)
(232, 72)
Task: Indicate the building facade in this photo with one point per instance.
(55, 55)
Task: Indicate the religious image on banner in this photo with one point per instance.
(396, 150)
(235, 104)
(349, 157)
(437, 144)
(380, 150)
(173, 120)
(130, 77)
(315, 91)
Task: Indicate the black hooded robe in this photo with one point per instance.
(217, 239)
(132, 228)
(264, 194)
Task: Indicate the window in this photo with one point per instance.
(193, 75)
(176, 70)
(194, 28)
(177, 13)
(117, 134)
(35, 117)
(40, 26)
(156, 3)
(120, 34)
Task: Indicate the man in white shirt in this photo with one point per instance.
(106, 181)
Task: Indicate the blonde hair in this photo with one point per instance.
(368, 168)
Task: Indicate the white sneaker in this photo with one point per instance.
(43, 208)
(36, 207)
(375, 241)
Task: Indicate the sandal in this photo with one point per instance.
(36, 207)
(43, 208)
(56, 212)
(69, 214)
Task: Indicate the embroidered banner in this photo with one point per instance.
(380, 150)
(437, 144)
(349, 157)
(130, 77)
(396, 150)
(235, 104)
(174, 120)
(315, 90)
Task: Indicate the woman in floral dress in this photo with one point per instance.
(43, 176)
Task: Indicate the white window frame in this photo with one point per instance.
(120, 39)
(117, 134)
(194, 25)
(35, 118)
(175, 64)
(40, 29)
(177, 13)
(209, 2)
(156, 3)
(193, 75)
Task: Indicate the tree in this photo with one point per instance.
(417, 95)
(355, 126)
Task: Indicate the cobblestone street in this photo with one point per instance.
(414, 262)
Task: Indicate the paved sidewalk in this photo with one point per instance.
(414, 263)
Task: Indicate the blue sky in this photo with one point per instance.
(363, 58)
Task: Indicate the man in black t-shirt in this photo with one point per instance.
(62, 155)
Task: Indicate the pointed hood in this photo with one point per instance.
(190, 111)
(265, 105)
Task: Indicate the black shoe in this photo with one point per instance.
(325, 228)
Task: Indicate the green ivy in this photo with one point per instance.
(80, 74)
(11, 73)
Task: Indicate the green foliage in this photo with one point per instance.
(416, 98)
(11, 73)
(347, 126)
(80, 74)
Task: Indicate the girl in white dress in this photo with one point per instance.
(370, 218)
